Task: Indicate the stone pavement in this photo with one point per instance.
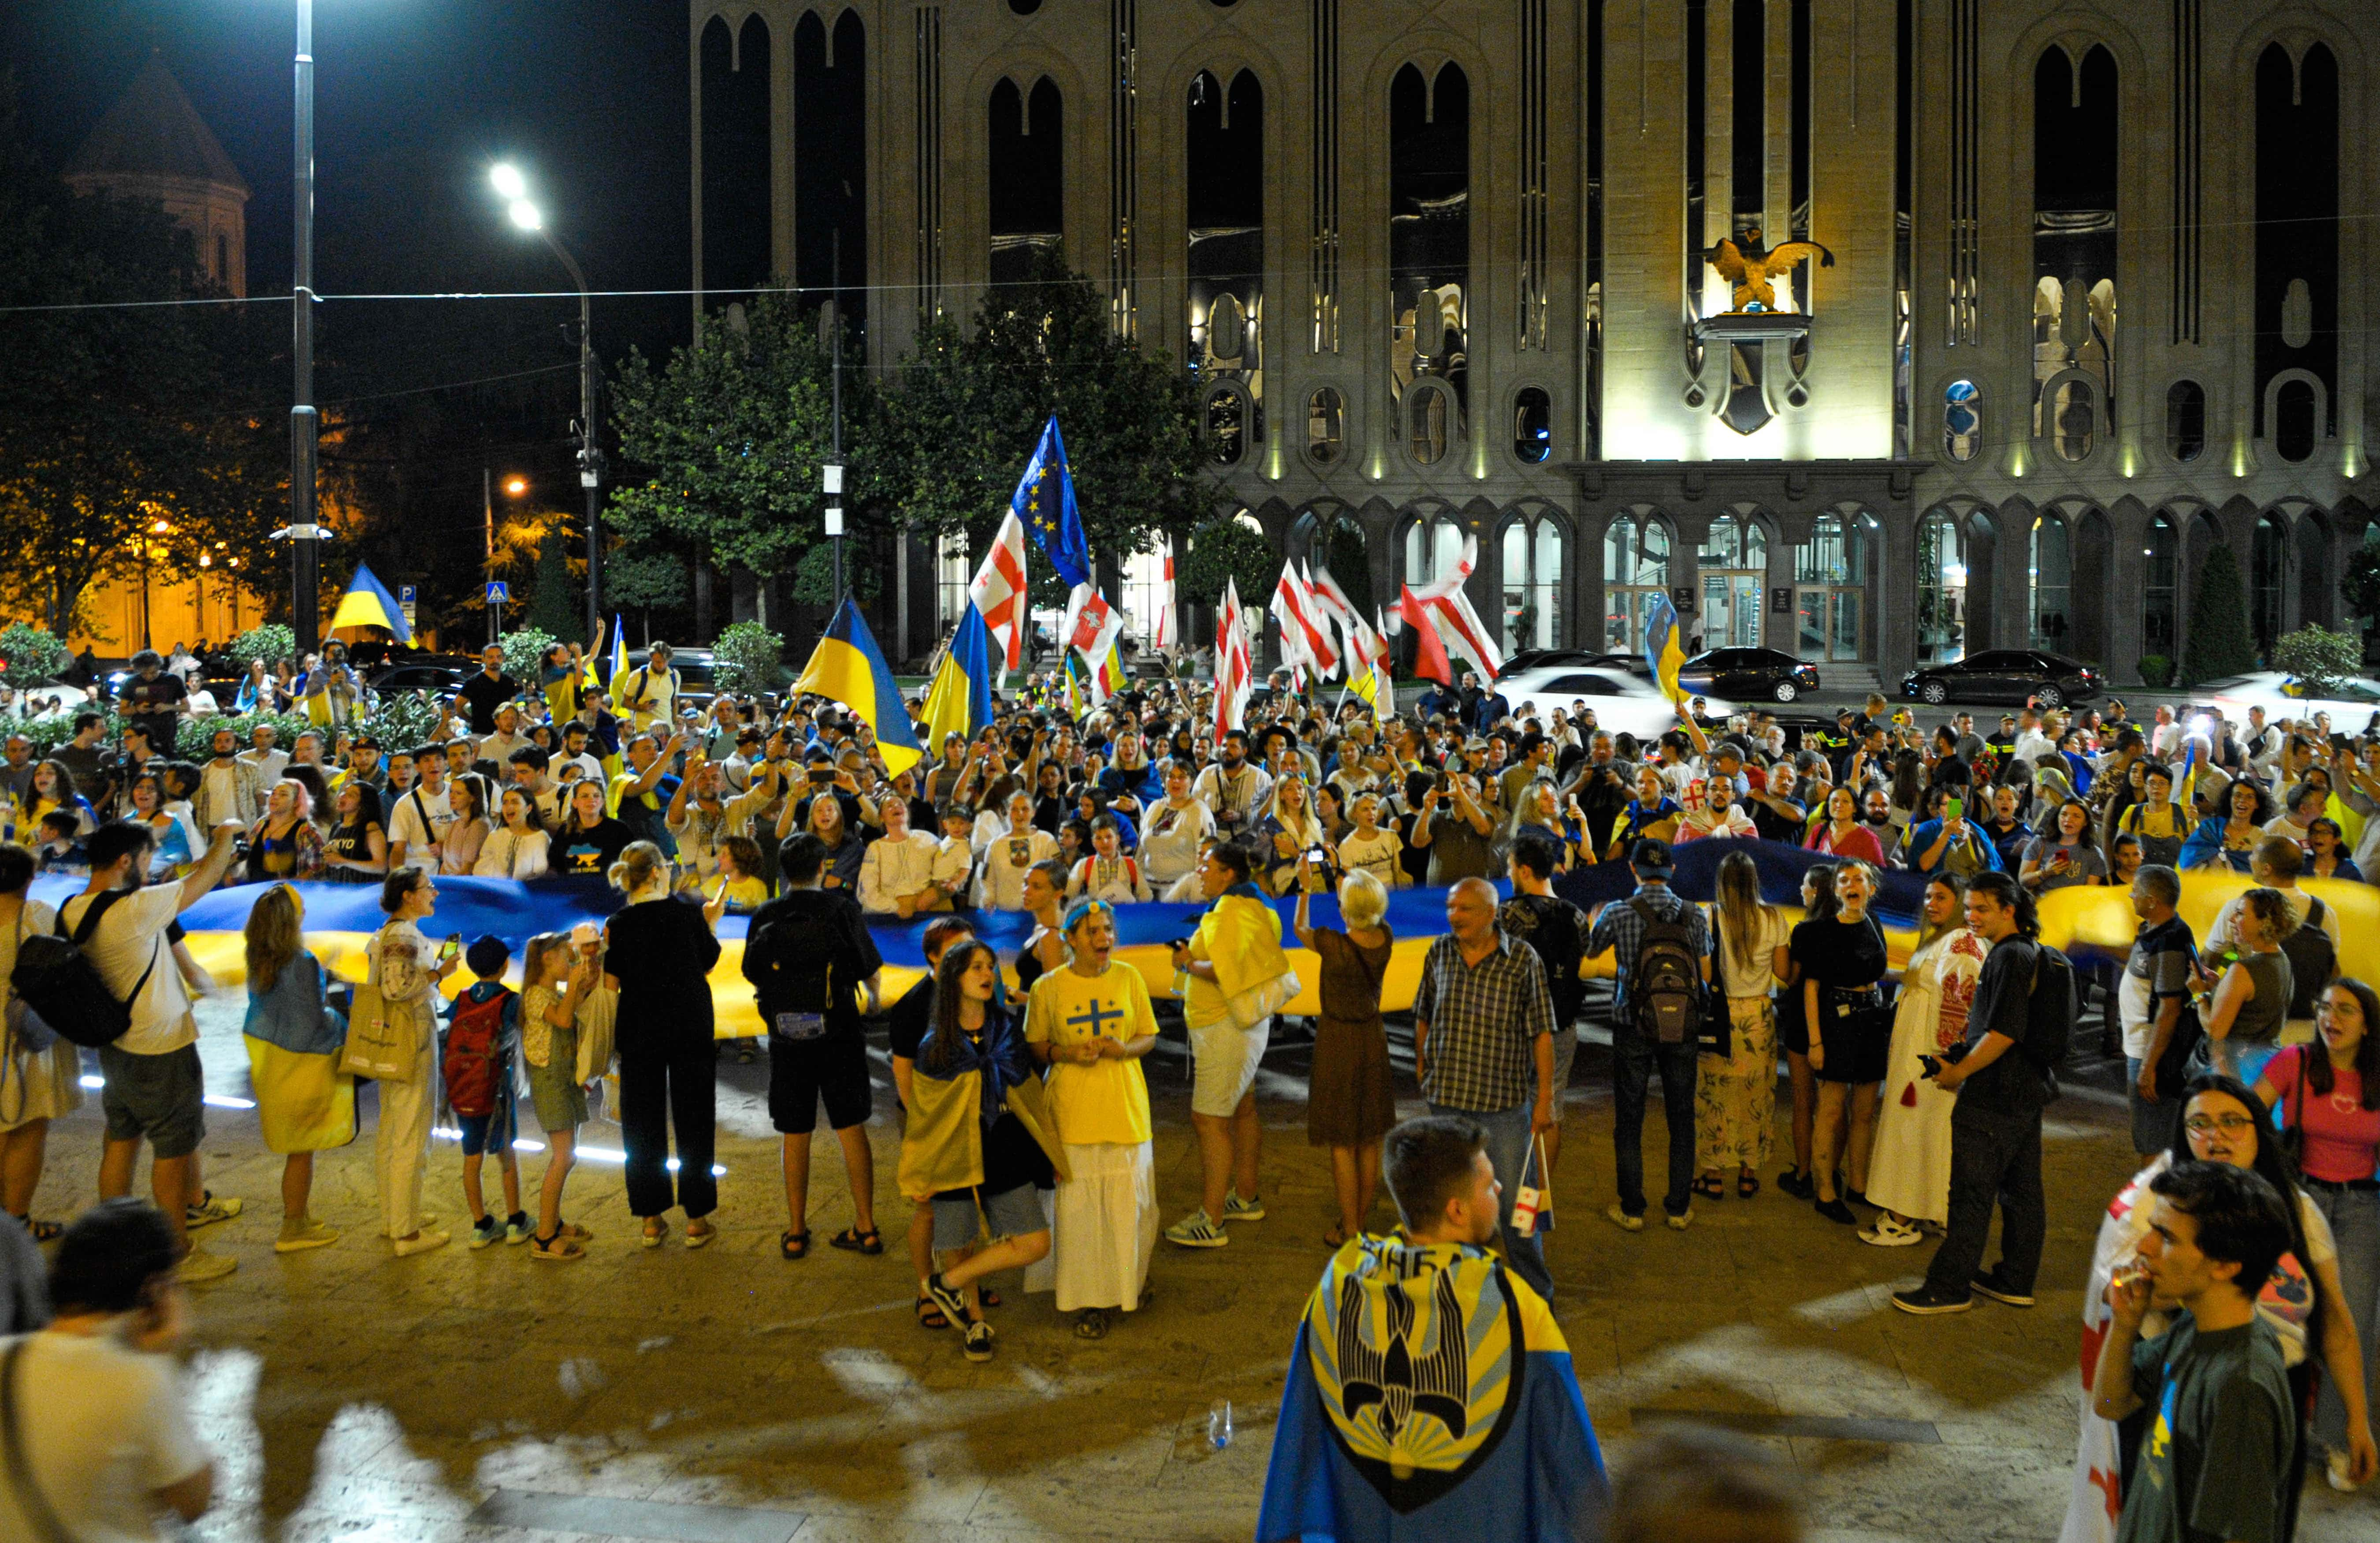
(464, 1397)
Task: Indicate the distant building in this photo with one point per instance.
(1439, 270)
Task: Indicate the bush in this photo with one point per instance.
(523, 647)
(2156, 670)
(2220, 643)
(402, 721)
(272, 643)
(2318, 657)
(34, 653)
(748, 657)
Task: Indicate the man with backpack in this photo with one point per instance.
(155, 1087)
(1661, 951)
(2017, 1028)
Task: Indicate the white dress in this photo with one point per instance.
(33, 1087)
(1910, 1170)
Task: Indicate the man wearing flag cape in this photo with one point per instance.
(1430, 1391)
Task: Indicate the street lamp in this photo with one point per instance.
(513, 188)
(305, 423)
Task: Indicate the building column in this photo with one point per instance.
(2127, 580)
(1894, 596)
(2012, 575)
(1586, 579)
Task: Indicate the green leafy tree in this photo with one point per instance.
(748, 657)
(814, 577)
(723, 440)
(958, 427)
(2220, 643)
(523, 647)
(556, 601)
(2318, 657)
(649, 580)
(32, 653)
(272, 643)
(1222, 550)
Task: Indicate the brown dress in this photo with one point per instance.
(1352, 1098)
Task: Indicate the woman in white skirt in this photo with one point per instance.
(36, 1086)
(1090, 1023)
(1909, 1172)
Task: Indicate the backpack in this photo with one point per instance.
(1665, 987)
(477, 1061)
(2049, 1009)
(793, 979)
(57, 979)
(2313, 961)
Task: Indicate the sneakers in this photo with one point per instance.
(1836, 1211)
(485, 1231)
(302, 1233)
(1926, 1302)
(1197, 1229)
(420, 1243)
(2340, 1472)
(518, 1228)
(978, 1340)
(1622, 1219)
(947, 1297)
(211, 1209)
(1682, 1220)
(1989, 1284)
(199, 1265)
(1237, 1209)
(1889, 1233)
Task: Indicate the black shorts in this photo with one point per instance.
(801, 1072)
(1858, 1046)
(1792, 1029)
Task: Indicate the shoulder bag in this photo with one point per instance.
(1716, 1034)
(380, 1037)
(2173, 1068)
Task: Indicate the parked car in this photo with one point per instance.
(443, 679)
(41, 698)
(2351, 703)
(696, 673)
(1748, 674)
(2005, 675)
(1622, 703)
(1539, 659)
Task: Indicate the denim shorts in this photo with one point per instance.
(1011, 1213)
(482, 1133)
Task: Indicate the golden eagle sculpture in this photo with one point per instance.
(1748, 266)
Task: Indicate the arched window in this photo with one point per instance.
(736, 144)
(1533, 424)
(2294, 419)
(1027, 168)
(2268, 580)
(1145, 589)
(1533, 560)
(2185, 420)
(2051, 569)
(1429, 233)
(952, 575)
(1427, 426)
(1941, 590)
(1635, 569)
(1326, 413)
(1963, 420)
(1433, 546)
(2159, 553)
(1224, 208)
(2075, 418)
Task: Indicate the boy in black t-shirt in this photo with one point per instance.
(1557, 930)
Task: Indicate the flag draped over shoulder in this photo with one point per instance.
(1430, 1395)
(848, 667)
(1664, 651)
(369, 603)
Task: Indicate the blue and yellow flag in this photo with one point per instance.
(848, 667)
(369, 603)
(1044, 500)
(960, 701)
(1665, 652)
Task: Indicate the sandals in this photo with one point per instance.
(561, 1249)
(794, 1245)
(985, 1296)
(870, 1242)
(1747, 1185)
(44, 1232)
(655, 1232)
(1335, 1239)
(930, 1315)
(698, 1239)
(1710, 1185)
(1092, 1324)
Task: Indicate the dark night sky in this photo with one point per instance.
(414, 99)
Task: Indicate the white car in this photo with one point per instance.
(40, 701)
(2351, 703)
(1622, 703)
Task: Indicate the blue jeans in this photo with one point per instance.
(2354, 1218)
(1635, 1058)
(1508, 1152)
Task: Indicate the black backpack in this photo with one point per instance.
(1665, 987)
(2313, 961)
(2049, 1009)
(57, 979)
(791, 977)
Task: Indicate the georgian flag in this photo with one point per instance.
(1235, 670)
(999, 591)
(1450, 610)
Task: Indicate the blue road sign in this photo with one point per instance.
(498, 592)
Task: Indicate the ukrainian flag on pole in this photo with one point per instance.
(960, 700)
(369, 603)
(1664, 648)
(848, 667)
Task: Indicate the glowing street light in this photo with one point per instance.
(509, 184)
(515, 485)
(524, 214)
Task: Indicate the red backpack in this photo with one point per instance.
(477, 1059)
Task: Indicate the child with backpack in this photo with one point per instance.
(477, 1066)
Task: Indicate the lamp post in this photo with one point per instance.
(512, 188)
(305, 424)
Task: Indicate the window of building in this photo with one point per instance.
(2293, 420)
(1028, 134)
(1425, 424)
(2076, 408)
(1636, 570)
(1223, 208)
(1226, 426)
(1429, 233)
(1533, 560)
(1145, 592)
(2052, 571)
(1326, 413)
(2268, 572)
(1433, 547)
(1941, 591)
(2158, 555)
(1533, 424)
(952, 574)
(1963, 420)
(2185, 420)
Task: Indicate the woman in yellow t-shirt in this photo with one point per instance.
(1090, 1023)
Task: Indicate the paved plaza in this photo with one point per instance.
(725, 1395)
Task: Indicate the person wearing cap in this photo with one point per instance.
(1637, 1051)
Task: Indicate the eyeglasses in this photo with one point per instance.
(2229, 1124)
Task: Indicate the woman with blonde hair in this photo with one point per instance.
(284, 843)
(555, 980)
(1352, 1097)
(1735, 1097)
(658, 953)
(305, 1104)
(1286, 833)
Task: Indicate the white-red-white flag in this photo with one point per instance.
(1235, 670)
(1448, 609)
(1304, 631)
(1164, 632)
(999, 592)
(1334, 603)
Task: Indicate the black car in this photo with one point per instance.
(1748, 674)
(1538, 659)
(2016, 676)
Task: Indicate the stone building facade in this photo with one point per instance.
(1440, 270)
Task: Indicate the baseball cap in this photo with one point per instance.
(1650, 859)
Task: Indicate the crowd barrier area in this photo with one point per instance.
(340, 920)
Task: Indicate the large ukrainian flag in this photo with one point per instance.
(960, 701)
(848, 667)
(369, 603)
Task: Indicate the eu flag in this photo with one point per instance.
(1044, 500)
(848, 667)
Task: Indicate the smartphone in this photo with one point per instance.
(1932, 1064)
(1954, 808)
(820, 777)
(451, 946)
(1318, 855)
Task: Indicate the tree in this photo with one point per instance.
(2220, 643)
(956, 430)
(2360, 585)
(748, 657)
(1221, 549)
(556, 604)
(32, 653)
(2318, 657)
(723, 441)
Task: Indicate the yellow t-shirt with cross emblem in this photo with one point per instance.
(1106, 1101)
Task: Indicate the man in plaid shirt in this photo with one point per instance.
(1635, 1053)
(1484, 1047)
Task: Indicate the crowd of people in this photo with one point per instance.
(1916, 1094)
